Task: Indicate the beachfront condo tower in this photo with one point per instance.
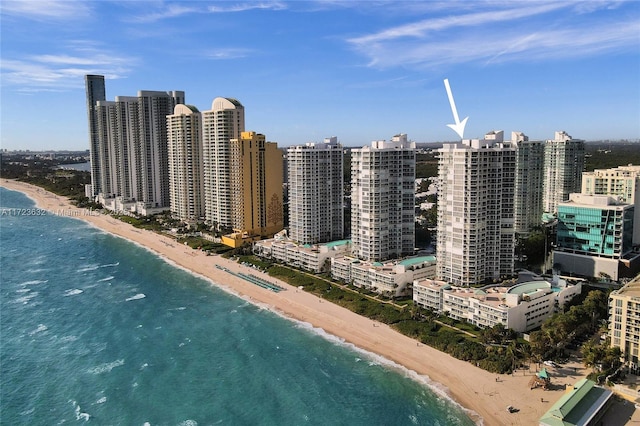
(563, 166)
(383, 199)
(225, 121)
(95, 91)
(315, 184)
(186, 190)
(623, 183)
(130, 138)
(475, 235)
(256, 186)
(527, 209)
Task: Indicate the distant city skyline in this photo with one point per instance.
(309, 70)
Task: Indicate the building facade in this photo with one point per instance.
(623, 183)
(315, 185)
(186, 194)
(475, 234)
(594, 236)
(563, 166)
(527, 208)
(521, 307)
(390, 278)
(225, 121)
(383, 199)
(624, 321)
(309, 257)
(128, 140)
(95, 91)
(256, 186)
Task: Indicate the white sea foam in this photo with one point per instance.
(73, 292)
(188, 423)
(87, 268)
(106, 367)
(101, 400)
(109, 278)
(143, 366)
(80, 415)
(25, 299)
(23, 290)
(136, 297)
(33, 282)
(110, 264)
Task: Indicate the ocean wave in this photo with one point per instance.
(136, 297)
(188, 423)
(109, 278)
(72, 292)
(25, 299)
(101, 400)
(33, 282)
(106, 367)
(79, 414)
(88, 268)
(39, 329)
(109, 265)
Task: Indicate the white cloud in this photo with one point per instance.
(227, 53)
(46, 9)
(170, 11)
(244, 6)
(523, 32)
(57, 72)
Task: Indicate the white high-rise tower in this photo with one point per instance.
(184, 129)
(315, 185)
(475, 239)
(563, 166)
(225, 121)
(383, 199)
(527, 210)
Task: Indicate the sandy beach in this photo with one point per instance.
(485, 394)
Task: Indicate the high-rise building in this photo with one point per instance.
(186, 190)
(315, 184)
(225, 121)
(594, 237)
(527, 209)
(563, 166)
(624, 316)
(128, 139)
(256, 186)
(154, 109)
(383, 199)
(623, 183)
(475, 235)
(95, 91)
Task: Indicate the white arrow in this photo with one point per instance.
(459, 126)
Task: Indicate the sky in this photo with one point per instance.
(308, 70)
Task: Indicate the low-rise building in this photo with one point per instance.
(391, 278)
(309, 257)
(521, 307)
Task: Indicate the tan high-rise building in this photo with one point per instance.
(225, 121)
(256, 186)
(186, 193)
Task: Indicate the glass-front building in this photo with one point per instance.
(603, 230)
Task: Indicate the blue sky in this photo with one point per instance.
(307, 70)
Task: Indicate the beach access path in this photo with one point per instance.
(486, 395)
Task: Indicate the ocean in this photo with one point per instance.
(95, 329)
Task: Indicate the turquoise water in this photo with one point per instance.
(95, 329)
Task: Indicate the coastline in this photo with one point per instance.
(485, 395)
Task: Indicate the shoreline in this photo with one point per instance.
(482, 395)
